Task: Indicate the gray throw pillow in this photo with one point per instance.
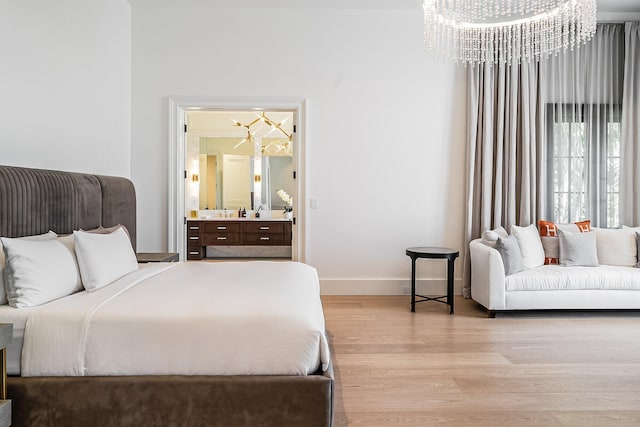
(510, 252)
(578, 249)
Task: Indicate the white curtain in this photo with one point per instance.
(581, 102)
(505, 177)
(630, 167)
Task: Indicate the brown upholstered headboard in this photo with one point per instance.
(34, 201)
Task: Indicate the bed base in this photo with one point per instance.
(172, 401)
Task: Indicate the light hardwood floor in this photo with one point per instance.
(397, 368)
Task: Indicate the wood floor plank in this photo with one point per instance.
(397, 368)
(360, 400)
(490, 418)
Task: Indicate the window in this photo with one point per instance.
(584, 163)
(613, 173)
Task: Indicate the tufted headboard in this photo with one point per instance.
(34, 201)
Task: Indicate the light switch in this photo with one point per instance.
(314, 203)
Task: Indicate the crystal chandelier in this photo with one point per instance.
(505, 31)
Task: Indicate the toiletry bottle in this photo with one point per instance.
(239, 213)
(244, 212)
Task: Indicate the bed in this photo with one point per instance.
(157, 366)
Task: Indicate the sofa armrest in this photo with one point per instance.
(487, 276)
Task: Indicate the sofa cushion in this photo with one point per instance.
(578, 249)
(490, 237)
(616, 246)
(556, 277)
(509, 250)
(530, 245)
(638, 248)
(549, 237)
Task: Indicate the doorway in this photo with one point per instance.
(186, 188)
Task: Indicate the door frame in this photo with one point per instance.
(178, 107)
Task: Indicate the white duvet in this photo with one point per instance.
(231, 318)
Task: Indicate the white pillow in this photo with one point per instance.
(616, 246)
(490, 237)
(530, 245)
(3, 293)
(103, 258)
(39, 271)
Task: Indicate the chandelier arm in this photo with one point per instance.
(263, 117)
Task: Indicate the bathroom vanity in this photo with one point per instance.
(238, 237)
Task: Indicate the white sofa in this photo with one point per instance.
(550, 287)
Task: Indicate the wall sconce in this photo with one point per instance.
(195, 177)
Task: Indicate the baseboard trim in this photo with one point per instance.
(386, 286)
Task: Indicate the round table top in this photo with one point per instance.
(432, 251)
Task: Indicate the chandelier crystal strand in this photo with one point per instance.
(505, 31)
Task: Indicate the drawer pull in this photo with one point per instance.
(194, 228)
(264, 238)
(194, 238)
(265, 228)
(221, 227)
(222, 238)
(194, 253)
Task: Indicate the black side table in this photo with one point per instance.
(435, 253)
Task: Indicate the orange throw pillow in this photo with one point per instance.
(549, 236)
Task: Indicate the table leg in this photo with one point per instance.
(413, 284)
(450, 284)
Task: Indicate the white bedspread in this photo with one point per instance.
(231, 318)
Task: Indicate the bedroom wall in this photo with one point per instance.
(65, 85)
(385, 123)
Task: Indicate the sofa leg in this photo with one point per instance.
(491, 314)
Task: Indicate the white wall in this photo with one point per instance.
(65, 74)
(386, 124)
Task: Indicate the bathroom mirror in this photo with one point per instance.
(240, 160)
(231, 179)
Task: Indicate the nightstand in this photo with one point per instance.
(6, 334)
(144, 257)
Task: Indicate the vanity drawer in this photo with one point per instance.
(194, 252)
(193, 244)
(212, 239)
(220, 227)
(193, 228)
(264, 239)
(261, 227)
(193, 240)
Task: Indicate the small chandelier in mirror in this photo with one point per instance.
(506, 31)
(275, 127)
